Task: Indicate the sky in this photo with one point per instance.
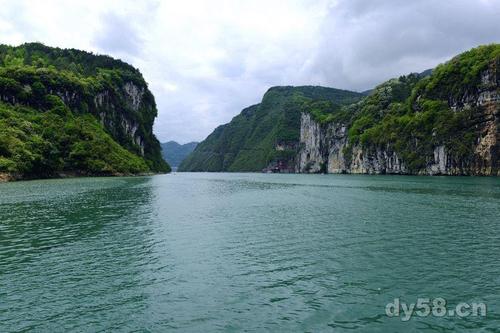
(207, 60)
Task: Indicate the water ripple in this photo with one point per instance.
(246, 252)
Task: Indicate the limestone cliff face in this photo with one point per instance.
(313, 153)
(326, 148)
(485, 104)
(263, 137)
(127, 111)
(123, 120)
(81, 89)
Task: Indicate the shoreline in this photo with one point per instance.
(351, 174)
(5, 177)
(8, 177)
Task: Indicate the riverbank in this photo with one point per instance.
(4, 177)
(8, 177)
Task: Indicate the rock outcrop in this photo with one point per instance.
(263, 137)
(103, 107)
(326, 147)
(120, 108)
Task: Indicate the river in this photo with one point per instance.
(200, 252)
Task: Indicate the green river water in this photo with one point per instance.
(247, 253)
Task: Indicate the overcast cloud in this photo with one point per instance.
(206, 60)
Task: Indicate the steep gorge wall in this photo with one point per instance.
(124, 107)
(125, 126)
(44, 78)
(326, 147)
(263, 137)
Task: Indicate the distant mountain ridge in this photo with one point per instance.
(266, 135)
(174, 153)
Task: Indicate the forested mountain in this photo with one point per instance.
(265, 135)
(440, 122)
(70, 111)
(174, 153)
(73, 112)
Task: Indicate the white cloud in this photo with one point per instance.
(206, 60)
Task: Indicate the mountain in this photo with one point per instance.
(174, 153)
(266, 135)
(441, 122)
(65, 111)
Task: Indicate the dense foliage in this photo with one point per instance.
(67, 83)
(43, 144)
(248, 142)
(174, 153)
(71, 60)
(412, 115)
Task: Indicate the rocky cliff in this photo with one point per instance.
(444, 124)
(263, 136)
(326, 149)
(96, 99)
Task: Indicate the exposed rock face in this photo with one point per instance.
(312, 155)
(325, 148)
(486, 106)
(488, 146)
(4, 177)
(122, 120)
(263, 137)
(104, 103)
(134, 95)
(122, 110)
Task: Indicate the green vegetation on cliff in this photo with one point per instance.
(65, 110)
(452, 109)
(249, 141)
(413, 114)
(42, 144)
